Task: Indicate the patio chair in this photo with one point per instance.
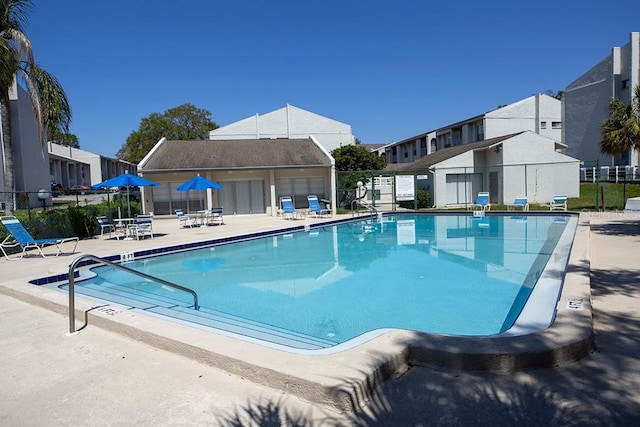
(142, 227)
(482, 202)
(109, 227)
(558, 203)
(314, 206)
(214, 216)
(519, 202)
(20, 237)
(186, 220)
(289, 210)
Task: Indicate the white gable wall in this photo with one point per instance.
(527, 114)
(288, 122)
(545, 172)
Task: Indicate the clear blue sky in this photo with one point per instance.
(391, 69)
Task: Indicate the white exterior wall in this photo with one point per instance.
(526, 115)
(527, 165)
(545, 172)
(288, 122)
(461, 164)
(93, 160)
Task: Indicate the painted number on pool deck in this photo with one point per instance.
(108, 310)
(575, 304)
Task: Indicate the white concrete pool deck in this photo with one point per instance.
(125, 368)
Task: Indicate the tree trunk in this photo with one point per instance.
(8, 189)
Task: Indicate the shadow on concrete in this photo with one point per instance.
(598, 390)
(617, 228)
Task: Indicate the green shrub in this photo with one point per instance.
(422, 197)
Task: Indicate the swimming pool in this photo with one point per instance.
(318, 288)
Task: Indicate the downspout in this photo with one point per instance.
(257, 126)
(537, 114)
(288, 124)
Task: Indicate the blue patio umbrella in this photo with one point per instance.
(126, 180)
(199, 183)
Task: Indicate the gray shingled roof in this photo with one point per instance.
(236, 154)
(445, 154)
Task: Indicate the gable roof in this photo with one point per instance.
(235, 154)
(447, 153)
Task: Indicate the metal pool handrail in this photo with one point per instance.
(72, 267)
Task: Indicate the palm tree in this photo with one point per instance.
(50, 105)
(621, 131)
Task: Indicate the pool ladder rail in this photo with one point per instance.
(358, 203)
(71, 276)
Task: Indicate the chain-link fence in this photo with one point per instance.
(381, 191)
(21, 200)
(457, 187)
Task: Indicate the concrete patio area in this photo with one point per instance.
(99, 377)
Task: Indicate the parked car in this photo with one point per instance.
(78, 189)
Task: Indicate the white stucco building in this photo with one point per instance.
(288, 122)
(586, 102)
(525, 164)
(538, 113)
(70, 166)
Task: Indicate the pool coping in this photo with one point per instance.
(345, 380)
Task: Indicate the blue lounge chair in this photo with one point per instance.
(482, 202)
(519, 202)
(314, 206)
(558, 203)
(20, 237)
(289, 210)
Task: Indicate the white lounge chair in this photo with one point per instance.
(559, 203)
(519, 202)
(142, 227)
(186, 220)
(482, 202)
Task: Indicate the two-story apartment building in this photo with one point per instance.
(70, 166)
(538, 113)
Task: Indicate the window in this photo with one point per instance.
(624, 84)
(556, 125)
(543, 125)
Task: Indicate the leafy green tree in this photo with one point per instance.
(357, 158)
(67, 139)
(355, 163)
(50, 105)
(557, 95)
(621, 131)
(185, 122)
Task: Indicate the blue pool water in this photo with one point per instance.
(445, 274)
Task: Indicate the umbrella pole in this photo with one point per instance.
(128, 203)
